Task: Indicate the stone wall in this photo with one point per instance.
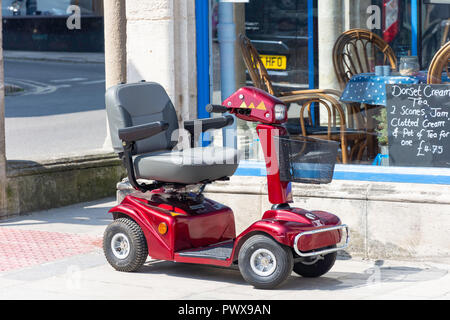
(386, 220)
(33, 186)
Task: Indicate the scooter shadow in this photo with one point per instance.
(233, 276)
(332, 281)
(194, 271)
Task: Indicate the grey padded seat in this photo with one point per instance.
(135, 104)
(189, 166)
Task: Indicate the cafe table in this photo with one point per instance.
(369, 90)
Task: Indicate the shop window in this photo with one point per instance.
(279, 32)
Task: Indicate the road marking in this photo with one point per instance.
(94, 82)
(69, 80)
(39, 88)
(35, 87)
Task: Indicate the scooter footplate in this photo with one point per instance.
(217, 252)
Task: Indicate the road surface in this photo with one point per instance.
(61, 112)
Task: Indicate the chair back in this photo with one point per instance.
(439, 64)
(255, 66)
(356, 50)
(134, 104)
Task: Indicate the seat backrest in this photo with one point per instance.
(355, 51)
(135, 104)
(256, 69)
(439, 64)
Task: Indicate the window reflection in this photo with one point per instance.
(435, 29)
(49, 7)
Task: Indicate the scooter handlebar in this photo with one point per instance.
(214, 108)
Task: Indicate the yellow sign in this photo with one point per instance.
(274, 62)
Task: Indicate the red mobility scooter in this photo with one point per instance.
(168, 218)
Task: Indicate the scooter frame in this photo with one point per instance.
(307, 233)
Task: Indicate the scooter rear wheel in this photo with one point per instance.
(317, 268)
(124, 245)
(264, 263)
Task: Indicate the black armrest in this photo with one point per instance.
(136, 133)
(208, 124)
(195, 127)
(129, 136)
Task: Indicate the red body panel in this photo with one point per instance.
(279, 191)
(210, 223)
(298, 220)
(211, 262)
(259, 105)
(202, 225)
(284, 225)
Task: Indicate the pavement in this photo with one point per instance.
(57, 255)
(76, 57)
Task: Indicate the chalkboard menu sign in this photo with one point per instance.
(418, 125)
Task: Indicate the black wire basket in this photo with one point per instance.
(306, 160)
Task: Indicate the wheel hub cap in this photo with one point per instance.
(120, 246)
(263, 262)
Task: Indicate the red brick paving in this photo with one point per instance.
(25, 248)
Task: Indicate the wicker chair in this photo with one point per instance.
(439, 64)
(352, 141)
(327, 98)
(354, 52)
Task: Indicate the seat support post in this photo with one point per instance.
(128, 162)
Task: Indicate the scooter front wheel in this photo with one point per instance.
(264, 263)
(124, 245)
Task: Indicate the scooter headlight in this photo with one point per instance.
(280, 112)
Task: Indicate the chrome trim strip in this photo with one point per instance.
(321, 252)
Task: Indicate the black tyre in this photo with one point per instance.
(316, 267)
(264, 263)
(124, 245)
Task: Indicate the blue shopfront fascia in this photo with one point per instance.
(342, 172)
(366, 173)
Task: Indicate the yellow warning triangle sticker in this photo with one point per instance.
(262, 106)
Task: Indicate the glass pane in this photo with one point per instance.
(279, 32)
(435, 29)
(359, 48)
